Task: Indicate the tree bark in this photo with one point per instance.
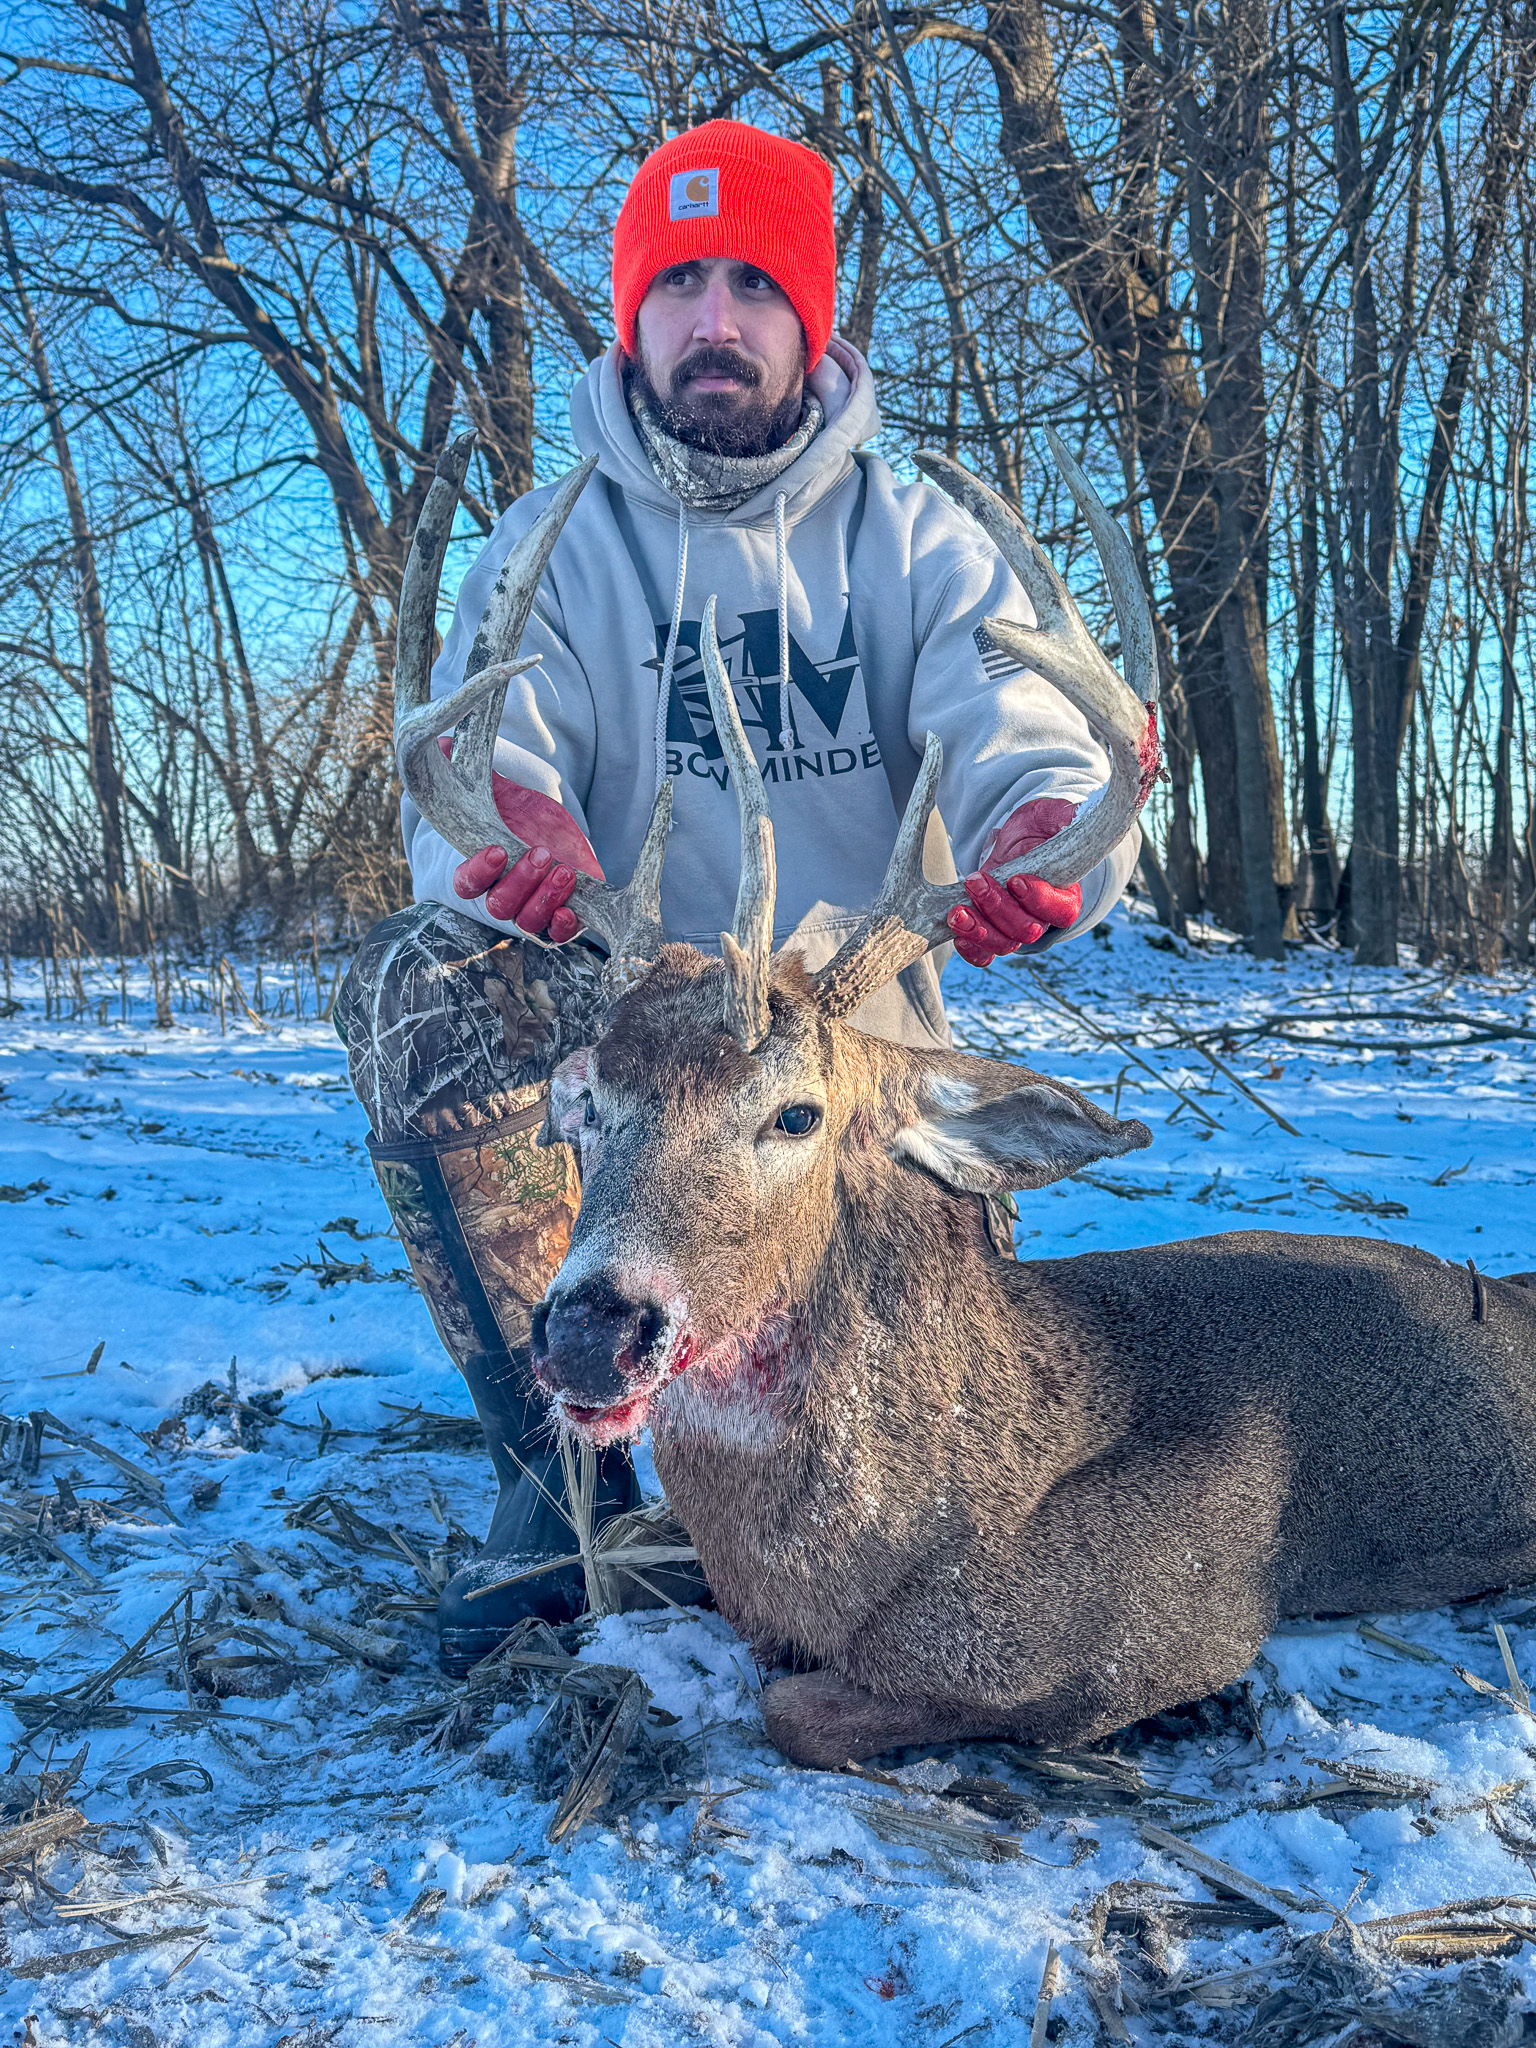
(1322, 863)
(100, 686)
(1117, 282)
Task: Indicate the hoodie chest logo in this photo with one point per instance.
(797, 721)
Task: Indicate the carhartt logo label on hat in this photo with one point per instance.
(695, 195)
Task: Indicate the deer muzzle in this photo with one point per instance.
(597, 1351)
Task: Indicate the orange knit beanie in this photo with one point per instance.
(729, 190)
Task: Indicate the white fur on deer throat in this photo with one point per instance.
(722, 1394)
(728, 1413)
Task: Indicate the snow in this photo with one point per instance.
(166, 1194)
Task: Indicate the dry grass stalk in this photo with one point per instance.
(37, 1837)
(23, 1532)
(1496, 1692)
(426, 1905)
(142, 1482)
(1045, 1998)
(77, 1702)
(578, 1464)
(107, 1952)
(1433, 1947)
(362, 1645)
(936, 1834)
(1357, 1786)
(1102, 1999)
(355, 1532)
(31, 1793)
(627, 1545)
(1397, 1645)
(1224, 1877)
(200, 1894)
(1518, 1688)
(593, 1779)
(1088, 1781)
(580, 1985)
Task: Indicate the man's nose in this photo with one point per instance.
(715, 316)
(591, 1343)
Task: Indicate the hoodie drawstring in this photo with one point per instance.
(781, 547)
(669, 658)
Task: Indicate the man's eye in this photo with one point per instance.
(798, 1120)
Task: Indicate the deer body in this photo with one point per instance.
(1037, 1500)
(984, 1499)
(1094, 1499)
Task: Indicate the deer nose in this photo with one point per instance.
(592, 1343)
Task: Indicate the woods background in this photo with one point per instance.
(1270, 268)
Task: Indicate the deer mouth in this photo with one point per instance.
(743, 1366)
(624, 1419)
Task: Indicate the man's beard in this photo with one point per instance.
(741, 422)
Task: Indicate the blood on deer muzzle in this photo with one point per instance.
(592, 1344)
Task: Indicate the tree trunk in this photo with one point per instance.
(1321, 859)
(1118, 285)
(1226, 149)
(100, 719)
(1509, 559)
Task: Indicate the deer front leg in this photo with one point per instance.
(822, 1722)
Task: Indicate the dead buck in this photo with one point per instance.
(1038, 1500)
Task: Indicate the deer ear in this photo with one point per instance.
(985, 1129)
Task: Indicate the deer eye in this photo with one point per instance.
(798, 1120)
(589, 1114)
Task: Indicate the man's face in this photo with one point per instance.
(721, 356)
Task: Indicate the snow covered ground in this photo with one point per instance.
(340, 1853)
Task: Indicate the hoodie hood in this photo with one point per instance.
(602, 426)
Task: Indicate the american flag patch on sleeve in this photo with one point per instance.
(997, 664)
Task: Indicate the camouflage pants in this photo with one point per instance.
(451, 1033)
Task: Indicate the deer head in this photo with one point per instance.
(729, 1121)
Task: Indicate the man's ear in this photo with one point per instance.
(985, 1128)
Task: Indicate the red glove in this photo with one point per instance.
(1001, 918)
(533, 896)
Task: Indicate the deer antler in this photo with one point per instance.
(910, 915)
(747, 948)
(453, 791)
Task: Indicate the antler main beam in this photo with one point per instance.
(910, 915)
(452, 788)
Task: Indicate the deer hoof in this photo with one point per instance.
(822, 1722)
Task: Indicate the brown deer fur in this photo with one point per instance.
(1039, 1500)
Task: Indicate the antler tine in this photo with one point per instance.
(453, 790)
(1133, 615)
(747, 948)
(911, 915)
(423, 572)
(907, 918)
(1061, 649)
(502, 623)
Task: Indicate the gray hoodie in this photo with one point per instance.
(882, 587)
